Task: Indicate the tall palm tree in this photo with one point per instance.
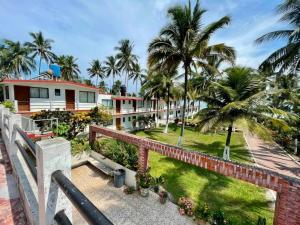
(137, 74)
(111, 68)
(96, 70)
(41, 47)
(16, 59)
(239, 98)
(184, 41)
(288, 56)
(69, 67)
(126, 58)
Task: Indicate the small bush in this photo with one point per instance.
(186, 206)
(202, 212)
(79, 145)
(62, 130)
(9, 105)
(118, 151)
(218, 218)
(261, 221)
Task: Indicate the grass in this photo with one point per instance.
(242, 202)
(212, 144)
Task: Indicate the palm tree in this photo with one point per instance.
(16, 59)
(137, 74)
(185, 42)
(193, 95)
(96, 70)
(111, 68)
(239, 98)
(126, 58)
(152, 88)
(69, 67)
(41, 47)
(287, 57)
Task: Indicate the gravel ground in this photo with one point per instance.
(120, 208)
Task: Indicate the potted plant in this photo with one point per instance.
(145, 180)
(157, 182)
(163, 196)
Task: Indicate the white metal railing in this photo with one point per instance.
(38, 126)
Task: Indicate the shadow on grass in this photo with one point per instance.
(220, 192)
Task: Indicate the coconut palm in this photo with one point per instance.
(193, 95)
(69, 67)
(111, 68)
(184, 42)
(126, 58)
(15, 58)
(288, 56)
(239, 98)
(152, 88)
(96, 70)
(137, 74)
(41, 47)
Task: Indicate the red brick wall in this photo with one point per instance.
(287, 210)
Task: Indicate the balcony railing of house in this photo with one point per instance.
(42, 172)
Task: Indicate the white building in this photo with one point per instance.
(31, 96)
(36, 95)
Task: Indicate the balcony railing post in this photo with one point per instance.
(14, 119)
(52, 155)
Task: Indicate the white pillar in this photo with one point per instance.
(52, 155)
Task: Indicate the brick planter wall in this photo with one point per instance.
(287, 210)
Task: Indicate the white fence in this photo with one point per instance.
(41, 196)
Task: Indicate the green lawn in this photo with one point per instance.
(241, 202)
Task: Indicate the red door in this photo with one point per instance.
(22, 95)
(118, 106)
(70, 99)
(118, 123)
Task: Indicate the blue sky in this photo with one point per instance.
(90, 29)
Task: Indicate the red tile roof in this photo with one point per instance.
(9, 81)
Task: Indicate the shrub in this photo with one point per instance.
(9, 105)
(186, 206)
(129, 190)
(261, 221)
(118, 151)
(62, 129)
(79, 145)
(202, 212)
(144, 179)
(99, 115)
(218, 218)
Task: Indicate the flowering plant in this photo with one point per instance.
(186, 206)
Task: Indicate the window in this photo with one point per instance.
(123, 101)
(57, 92)
(123, 119)
(36, 92)
(129, 119)
(6, 92)
(86, 97)
(107, 103)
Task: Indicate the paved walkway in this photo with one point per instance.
(120, 208)
(11, 209)
(272, 157)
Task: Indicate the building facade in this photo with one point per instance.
(31, 96)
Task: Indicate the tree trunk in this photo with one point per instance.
(136, 86)
(126, 82)
(97, 81)
(168, 111)
(40, 65)
(156, 118)
(226, 153)
(184, 104)
(113, 82)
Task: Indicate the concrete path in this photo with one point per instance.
(272, 157)
(11, 209)
(120, 208)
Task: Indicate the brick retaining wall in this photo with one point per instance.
(287, 210)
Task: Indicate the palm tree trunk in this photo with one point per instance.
(113, 82)
(40, 65)
(97, 81)
(136, 86)
(168, 109)
(184, 104)
(156, 111)
(226, 153)
(126, 82)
